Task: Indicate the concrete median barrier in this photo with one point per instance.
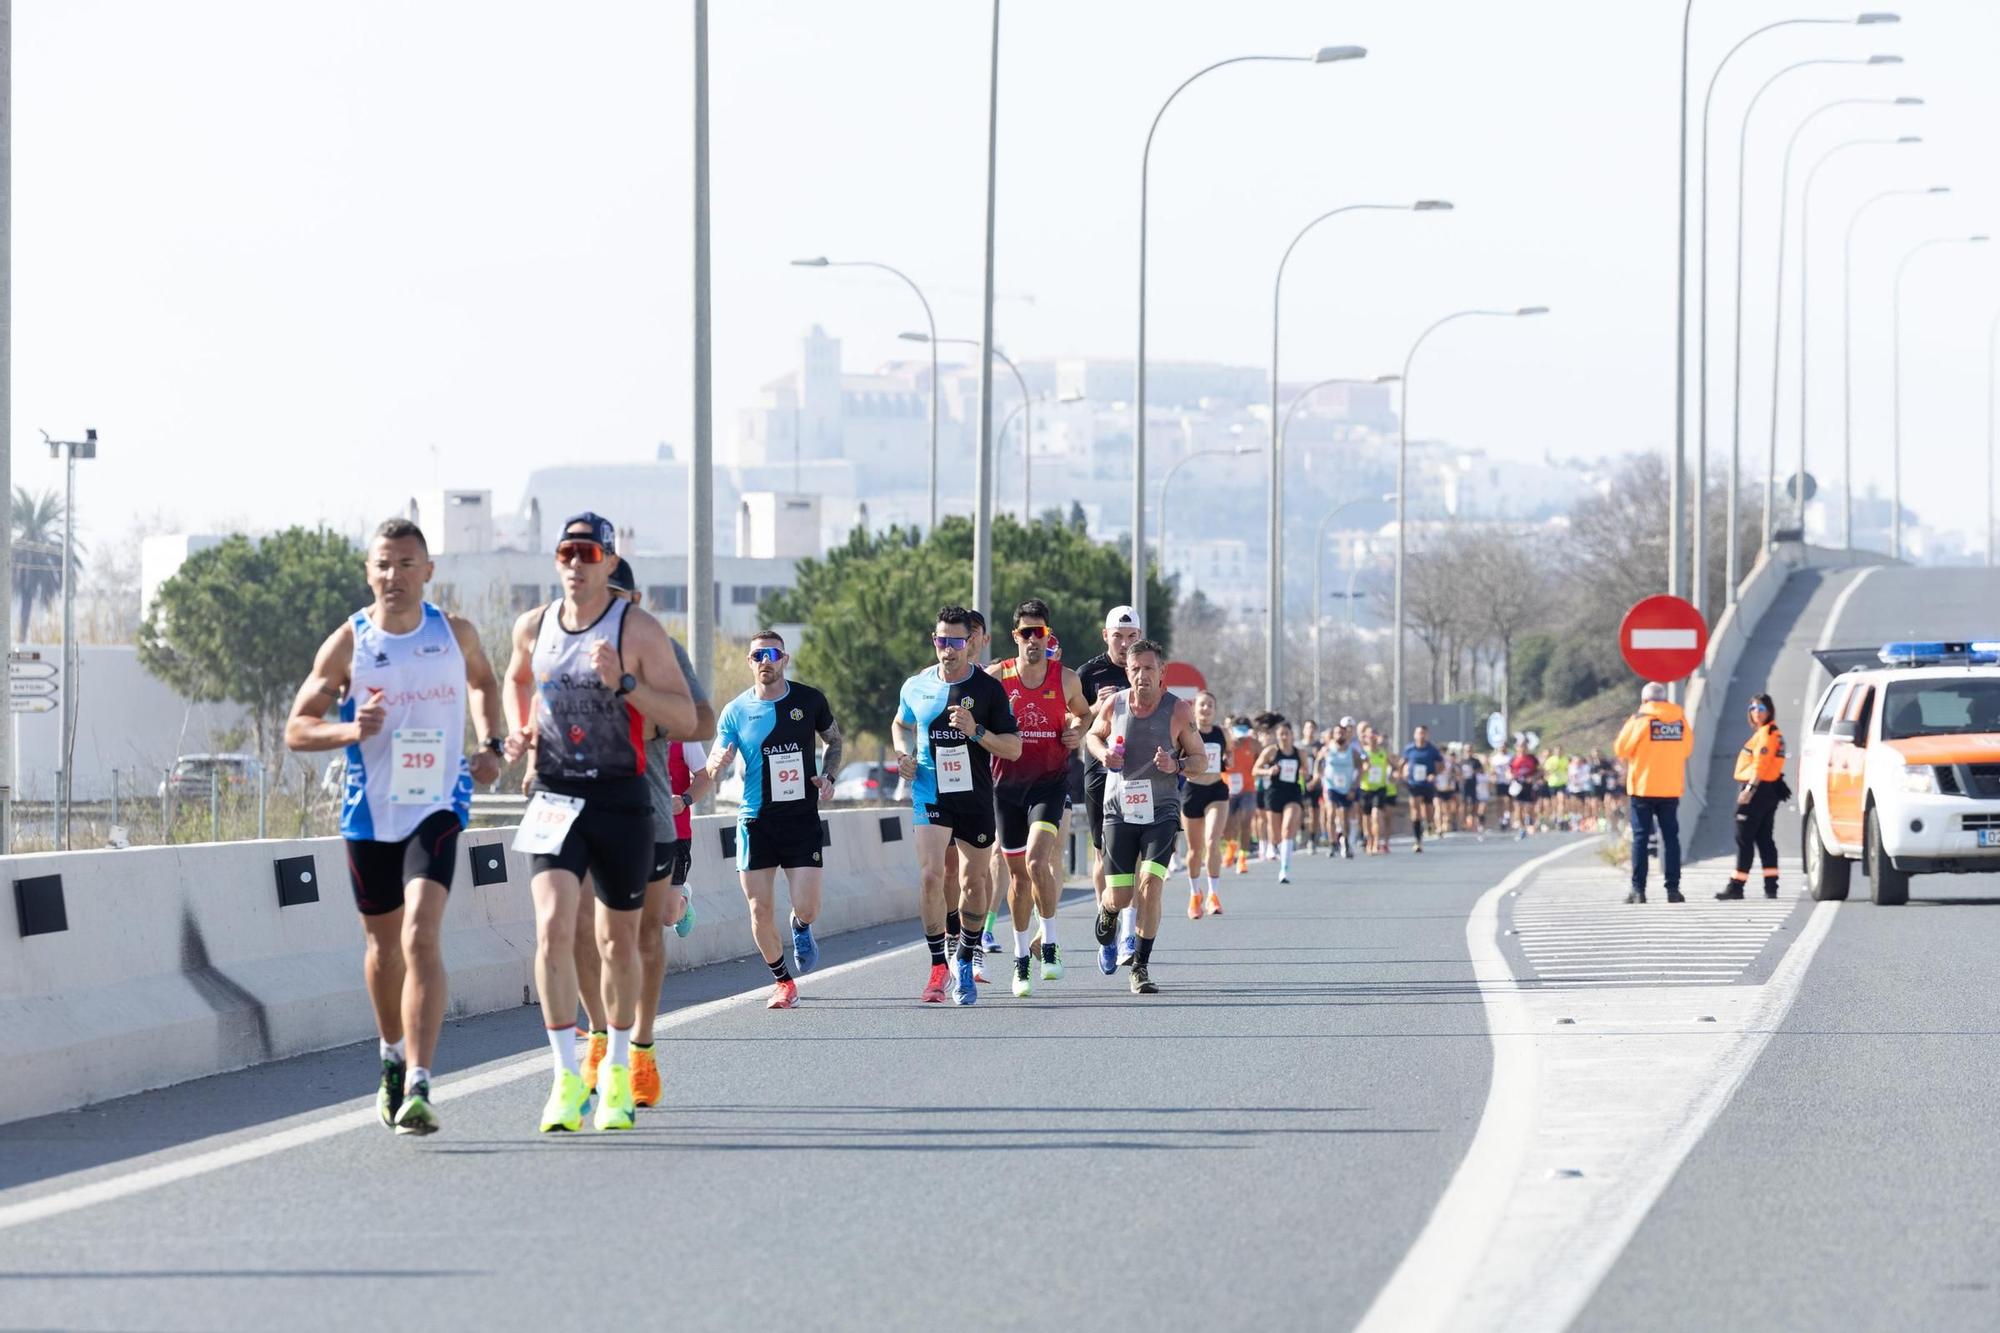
(138, 968)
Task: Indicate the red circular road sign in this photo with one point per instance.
(1663, 638)
(1183, 679)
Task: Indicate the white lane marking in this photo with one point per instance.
(498, 1074)
(1508, 1248)
(1826, 633)
(1664, 638)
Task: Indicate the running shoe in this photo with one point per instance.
(805, 950)
(1128, 949)
(1023, 987)
(1052, 968)
(967, 990)
(686, 923)
(600, 1042)
(1214, 905)
(389, 1096)
(784, 995)
(1194, 907)
(934, 988)
(614, 1098)
(987, 942)
(1142, 981)
(1107, 959)
(417, 1117)
(564, 1108)
(1283, 878)
(979, 968)
(1417, 850)
(645, 1077)
(1107, 941)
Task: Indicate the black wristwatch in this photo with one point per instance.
(496, 745)
(626, 684)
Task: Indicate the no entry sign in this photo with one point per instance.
(1662, 638)
(1183, 680)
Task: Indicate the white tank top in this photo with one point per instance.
(421, 676)
(585, 732)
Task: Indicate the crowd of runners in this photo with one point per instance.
(620, 741)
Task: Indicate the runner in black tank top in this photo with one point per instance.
(587, 674)
(1205, 811)
(1283, 768)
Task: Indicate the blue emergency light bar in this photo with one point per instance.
(1913, 653)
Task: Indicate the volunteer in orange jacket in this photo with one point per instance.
(1654, 743)
(1760, 768)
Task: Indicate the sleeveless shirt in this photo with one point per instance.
(422, 679)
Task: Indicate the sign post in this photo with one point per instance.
(1663, 639)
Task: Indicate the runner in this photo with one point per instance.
(1205, 811)
(1420, 764)
(1243, 752)
(1340, 772)
(776, 726)
(587, 672)
(1032, 792)
(1524, 773)
(1146, 738)
(402, 672)
(1101, 677)
(1268, 817)
(1375, 791)
(1282, 767)
(982, 644)
(1478, 786)
(1309, 746)
(1555, 789)
(1444, 816)
(951, 722)
(1577, 797)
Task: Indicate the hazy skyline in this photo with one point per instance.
(277, 257)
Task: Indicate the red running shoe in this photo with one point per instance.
(784, 995)
(934, 992)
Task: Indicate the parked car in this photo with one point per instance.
(192, 774)
(863, 781)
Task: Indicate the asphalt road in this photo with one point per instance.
(1256, 1146)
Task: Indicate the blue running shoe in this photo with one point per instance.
(1107, 958)
(1128, 949)
(988, 943)
(805, 949)
(686, 923)
(965, 990)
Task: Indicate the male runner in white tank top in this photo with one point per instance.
(402, 672)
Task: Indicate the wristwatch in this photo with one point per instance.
(979, 732)
(626, 684)
(496, 745)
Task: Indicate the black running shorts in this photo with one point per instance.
(671, 861)
(788, 844)
(1195, 802)
(381, 871)
(1020, 811)
(1129, 848)
(614, 846)
(1093, 805)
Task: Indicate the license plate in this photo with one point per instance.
(1989, 837)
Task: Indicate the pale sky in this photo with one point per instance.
(296, 261)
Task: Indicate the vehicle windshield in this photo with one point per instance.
(1940, 707)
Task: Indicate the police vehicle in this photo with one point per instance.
(1900, 768)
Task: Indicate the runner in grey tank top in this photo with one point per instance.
(1143, 738)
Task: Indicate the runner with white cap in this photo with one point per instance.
(1102, 677)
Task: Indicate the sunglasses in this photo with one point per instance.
(767, 654)
(586, 553)
(952, 641)
(1759, 708)
(1031, 632)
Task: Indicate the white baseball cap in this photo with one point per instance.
(1121, 617)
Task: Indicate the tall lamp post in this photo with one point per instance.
(69, 451)
(1019, 382)
(1160, 542)
(823, 262)
(1805, 284)
(1027, 456)
(1896, 333)
(1324, 56)
(1319, 597)
(1274, 616)
(1403, 489)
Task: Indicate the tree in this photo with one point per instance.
(38, 523)
(240, 622)
(1509, 584)
(869, 605)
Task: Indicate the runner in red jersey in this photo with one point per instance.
(1032, 793)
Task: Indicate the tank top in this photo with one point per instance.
(1143, 735)
(1215, 750)
(421, 676)
(586, 732)
(1040, 712)
(1290, 767)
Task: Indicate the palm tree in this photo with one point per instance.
(38, 523)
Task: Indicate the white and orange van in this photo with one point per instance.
(1900, 767)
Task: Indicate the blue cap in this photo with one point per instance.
(601, 530)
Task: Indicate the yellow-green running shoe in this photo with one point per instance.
(564, 1108)
(1052, 968)
(614, 1097)
(389, 1095)
(1023, 987)
(417, 1117)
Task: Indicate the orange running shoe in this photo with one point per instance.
(1214, 905)
(934, 992)
(593, 1055)
(1194, 907)
(645, 1077)
(784, 995)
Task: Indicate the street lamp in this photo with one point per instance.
(1237, 452)
(1274, 618)
(1319, 597)
(1701, 447)
(1847, 356)
(1019, 382)
(1324, 56)
(1805, 287)
(69, 451)
(823, 262)
(1403, 488)
(1896, 327)
(1027, 458)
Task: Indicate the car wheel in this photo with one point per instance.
(1890, 886)
(1826, 872)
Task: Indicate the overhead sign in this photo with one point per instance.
(1663, 638)
(31, 705)
(1183, 680)
(1496, 730)
(31, 670)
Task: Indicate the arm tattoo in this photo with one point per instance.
(830, 762)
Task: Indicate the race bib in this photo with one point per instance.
(1514, 789)
(416, 766)
(1135, 803)
(546, 823)
(954, 768)
(1377, 773)
(788, 777)
(1214, 753)
(1288, 770)
(1235, 784)
(1339, 781)
(1419, 773)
